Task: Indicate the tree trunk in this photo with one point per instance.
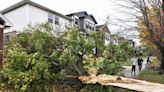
(162, 60)
(122, 82)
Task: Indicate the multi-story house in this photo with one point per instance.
(114, 39)
(84, 21)
(87, 23)
(28, 12)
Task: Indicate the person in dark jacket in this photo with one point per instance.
(140, 61)
(149, 59)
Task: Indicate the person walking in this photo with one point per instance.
(140, 61)
(148, 59)
(134, 64)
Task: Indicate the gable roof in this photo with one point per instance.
(5, 21)
(79, 14)
(100, 27)
(83, 14)
(24, 2)
(91, 16)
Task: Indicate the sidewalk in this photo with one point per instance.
(127, 71)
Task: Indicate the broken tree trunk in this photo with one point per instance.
(122, 82)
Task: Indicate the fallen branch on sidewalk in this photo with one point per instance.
(127, 83)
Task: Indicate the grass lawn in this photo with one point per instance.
(152, 76)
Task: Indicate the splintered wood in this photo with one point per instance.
(122, 82)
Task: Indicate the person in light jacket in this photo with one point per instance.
(134, 64)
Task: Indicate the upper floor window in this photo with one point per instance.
(56, 20)
(50, 18)
(89, 25)
(53, 19)
(76, 21)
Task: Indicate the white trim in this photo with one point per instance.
(7, 22)
(1, 26)
(89, 21)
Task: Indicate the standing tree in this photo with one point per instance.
(142, 9)
(145, 36)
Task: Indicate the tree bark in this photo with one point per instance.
(162, 60)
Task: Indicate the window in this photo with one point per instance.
(53, 19)
(56, 20)
(7, 38)
(89, 25)
(50, 18)
(93, 28)
(76, 20)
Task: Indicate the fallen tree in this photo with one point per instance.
(122, 82)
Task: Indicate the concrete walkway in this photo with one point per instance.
(127, 71)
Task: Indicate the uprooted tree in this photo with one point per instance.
(38, 61)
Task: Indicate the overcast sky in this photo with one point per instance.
(100, 9)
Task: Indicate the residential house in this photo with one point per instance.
(106, 33)
(114, 39)
(4, 23)
(121, 39)
(28, 12)
(83, 21)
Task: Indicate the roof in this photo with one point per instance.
(91, 16)
(83, 14)
(24, 2)
(99, 27)
(79, 14)
(5, 21)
